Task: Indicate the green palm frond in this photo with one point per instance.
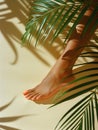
(54, 16)
(81, 115)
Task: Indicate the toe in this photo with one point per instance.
(26, 92)
(30, 95)
(35, 97)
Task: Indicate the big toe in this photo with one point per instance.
(26, 92)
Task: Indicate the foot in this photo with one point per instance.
(55, 82)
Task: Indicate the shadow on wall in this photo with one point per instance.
(19, 10)
(9, 118)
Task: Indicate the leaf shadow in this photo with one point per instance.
(20, 11)
(10, 118)
(7, 105)
(8, 127)
(12, 32)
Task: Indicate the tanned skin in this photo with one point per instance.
(56, 80)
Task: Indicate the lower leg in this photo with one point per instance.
(63, 67)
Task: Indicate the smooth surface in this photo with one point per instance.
(22, 68)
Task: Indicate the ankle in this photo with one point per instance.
(64, 72)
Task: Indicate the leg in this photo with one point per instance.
(53, 82)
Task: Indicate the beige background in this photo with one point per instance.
(22, 68)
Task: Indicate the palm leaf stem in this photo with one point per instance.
(96, 105)
(87, 116)
(93, 119)
(85, 120)
(81, 123)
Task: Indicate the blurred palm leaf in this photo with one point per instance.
(6, 105)
(54, 16)
(8, 127)
(9, 118)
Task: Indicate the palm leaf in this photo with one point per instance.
(12, 118)
(96, 106)
(60, 23)
(85, 120)
(6, 105)
(83, 86)
(76, 22)
(81, 114)
(43, 9)
(91, 18)
(65, 24)
(55, 16)
(74, 118)
(8, 127)
(91, 83)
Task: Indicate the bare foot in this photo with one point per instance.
(55, 82)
